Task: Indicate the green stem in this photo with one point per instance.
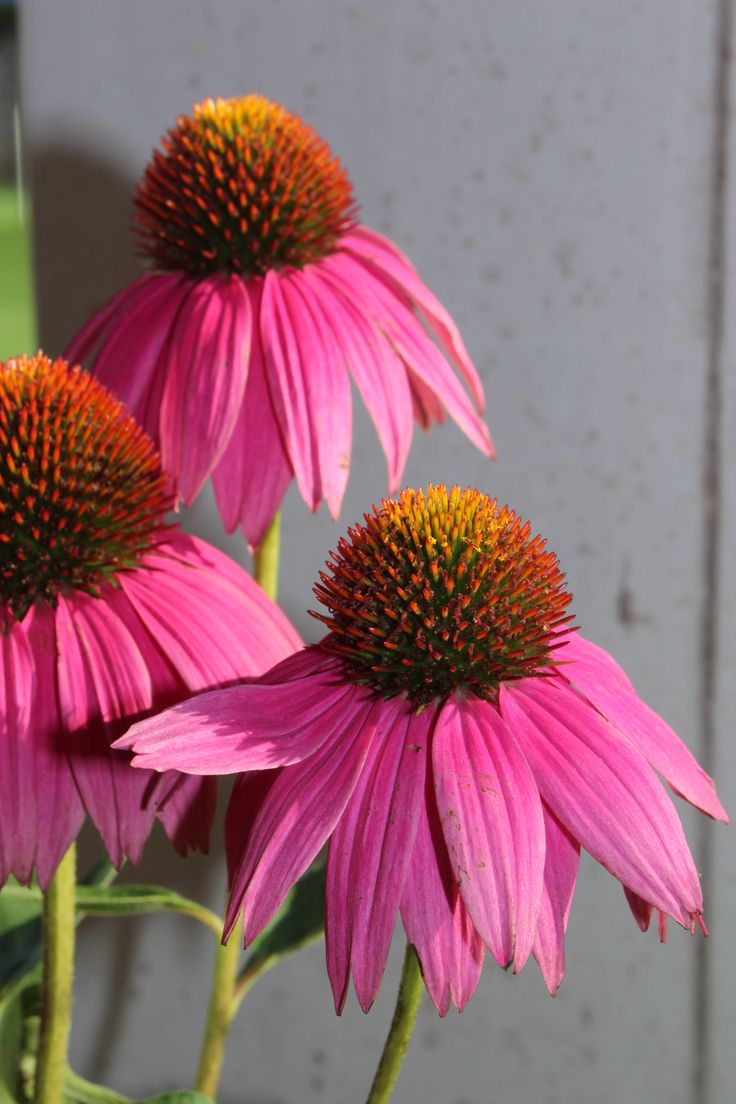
(266, 558)
(220, 1014)
(402, 1025)
(224, 995)
(59, 921)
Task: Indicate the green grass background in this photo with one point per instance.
(17, 322)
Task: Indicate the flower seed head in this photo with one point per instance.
(442, 592)
(241, 185)
(81, 488)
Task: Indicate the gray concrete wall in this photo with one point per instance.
(560, 174)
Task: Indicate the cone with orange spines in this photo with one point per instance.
(243, 185)
(81, 486)
(442, 592)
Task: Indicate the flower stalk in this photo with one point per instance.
(225, 994)
(266, 558)
(400, 1032)
(58, 969)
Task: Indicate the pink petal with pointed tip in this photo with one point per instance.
(241, 728)
(206, 368)
(254, 470)
(597, 675)
(427, 408)
(187, 811)
(370, 851)
(93, 640)
(379, 373)
(197, 620)
(59, 809)
(561, 862)
(117, 308)
(235, 598)
(330, 403)
(435, 919)
(248, 794)
(492, 821)
(102, 678)
(418, 352)
(641, 910)
(288, 371)
(297, 816)
(185, 806)
(603, 791)
(399, 273)
(130, 359)
(18, 689)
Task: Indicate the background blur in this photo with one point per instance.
(563, 178)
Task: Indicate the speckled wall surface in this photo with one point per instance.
(559, 175)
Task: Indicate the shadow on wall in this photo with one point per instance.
(83, 206)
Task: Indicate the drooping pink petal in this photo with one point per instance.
(248, 794)
(118, 307)
(561, 863)
(427, 408)
(492, 822)
(193, 616)
(102, 678)
(370, 851)
(415, 348)
(59, 809)
(641, 910)
(206, 368)
(254, 470)
(378, 371)
(298, 814)
(235, 600)
(18, 690)
(398, 272)
(96, 651)
(253, 726)
(435, 919)
(186, 811)
(603, 791)
(597, 675)
(133, 330)
(288, 372)
(330, 403)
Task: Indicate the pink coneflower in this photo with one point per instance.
(457, 743)
(105, 615)
(267, 296)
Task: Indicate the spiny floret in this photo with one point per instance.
(81, 488)
(241, 185)
(442, 592)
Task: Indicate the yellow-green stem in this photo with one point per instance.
(266, 558)
(59, 922)
(220, 1014)
(224, 997)
(402, 1025)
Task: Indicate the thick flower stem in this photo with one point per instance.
(59, 922)
(402, 1026)
(220, 1014)
(224, 996)
(266, 558)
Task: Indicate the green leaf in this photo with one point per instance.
(178, 1098)
(299, 921)
(11, 1035)
(20, 924)
(20, 931)
(77, 1090)
(139, 900)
